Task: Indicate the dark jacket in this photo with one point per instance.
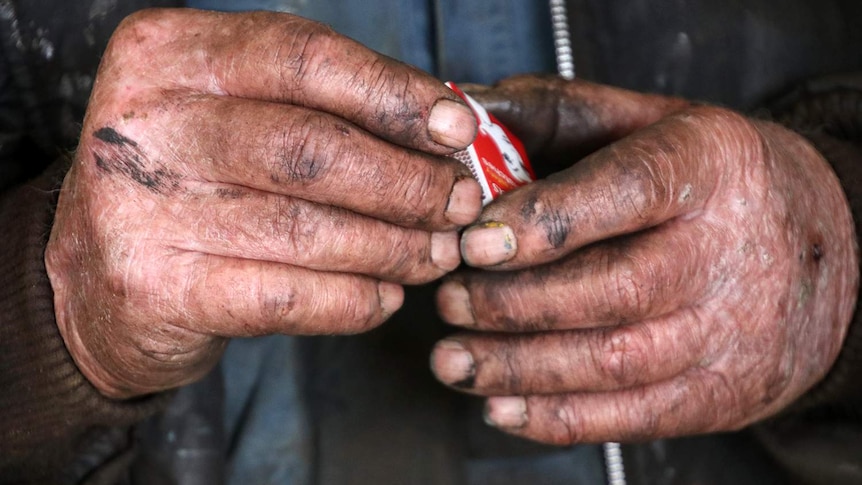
(799, 63)
(54, 427)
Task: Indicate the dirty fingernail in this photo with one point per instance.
(452, 124)
(453, 301)
(453, 364)
(506, 412)
(391, 297)
(444, 250)
(465, 202)
(488, 244)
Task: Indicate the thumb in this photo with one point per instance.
(562, 121)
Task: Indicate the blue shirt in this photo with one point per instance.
(479, 41)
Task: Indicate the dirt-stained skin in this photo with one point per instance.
(694, 271)
(248, 174)
(117, 153)
(680, 269)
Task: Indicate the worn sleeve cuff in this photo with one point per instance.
(50, 412)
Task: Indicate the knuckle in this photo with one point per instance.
(406, 270)
(627, 290)
(284, 306)
(302, 41)
(638, 422)
(392, 100)
(623, 356)
(362, 314)
(643, 170)
(138, 30)
(730, 133)
(278, 306)
(623, 276)
(387, 92)
(293, 224)
(646, 183)
(542, 206)
(569, 428)
(502, 369)
(394, 97)
(302, 149)
(558, 226)
(416, 190)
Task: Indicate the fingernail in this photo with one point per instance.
(506, 412)
(452, 124)
(465, 202)
(444, 250)
(453, 364)
(488, 244)
(453, 301)
(391, 297)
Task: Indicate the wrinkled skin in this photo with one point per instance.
(695, 272)
(242, 175)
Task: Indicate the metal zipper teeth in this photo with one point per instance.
(614, 465)
(562, 40)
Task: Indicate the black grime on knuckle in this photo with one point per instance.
(110, 135)
(528, 210)
(299, 170)
(556, 223)
(396, 106)
(115, 153)
(557, 226)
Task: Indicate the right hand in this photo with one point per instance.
(696, 273)
(248, 174)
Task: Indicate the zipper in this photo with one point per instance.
(613, 453)
(614, 467)
(562, 39)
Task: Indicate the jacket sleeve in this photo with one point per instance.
(52, 419)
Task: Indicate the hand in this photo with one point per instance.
(242, 175)
(696, 275)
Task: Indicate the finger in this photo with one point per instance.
(665, 171)
(575, 361)
(558, 118)
(315, 156)
(696, 402)
(257, 225)
(285, 58)
(232, 297)
(628, 279)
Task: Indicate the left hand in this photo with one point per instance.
(697, 274)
